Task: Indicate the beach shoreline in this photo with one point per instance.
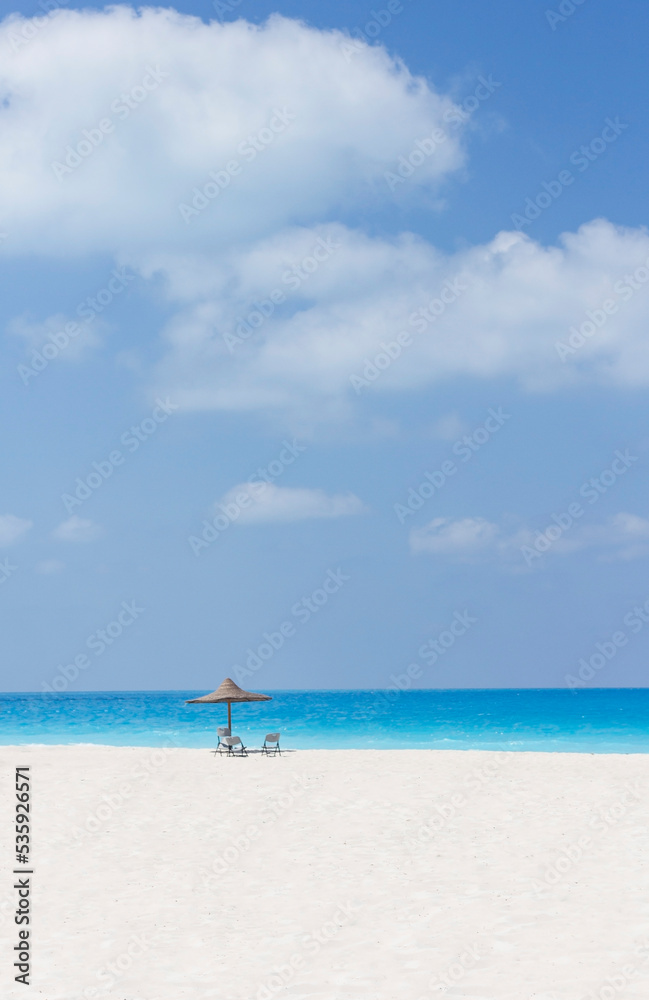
(167, 874)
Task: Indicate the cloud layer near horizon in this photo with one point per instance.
(471, 539)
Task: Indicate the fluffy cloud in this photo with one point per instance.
(623, 536)
(77, 529)
(267, 503)
(262, 330)
(158, 100)
(271, 309)
(12, 528)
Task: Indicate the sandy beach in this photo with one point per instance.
(331, 875)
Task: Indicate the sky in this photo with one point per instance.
(324, 345)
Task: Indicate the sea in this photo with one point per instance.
(547, 720)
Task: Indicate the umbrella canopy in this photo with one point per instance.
(228, 691)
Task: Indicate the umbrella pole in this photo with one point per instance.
(230, 716)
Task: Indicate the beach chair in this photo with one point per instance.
(221, 732)
(271, 744)
(235, 746)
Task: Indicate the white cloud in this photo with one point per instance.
(52, 330)
(514, 300)
(462, 538)
(12, 528)
(623, 536)
(219, 84)
(626, 534)
(77, 529)
(266, 502)
(213, 86)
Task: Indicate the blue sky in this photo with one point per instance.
(484, 165)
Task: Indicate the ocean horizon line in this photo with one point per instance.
(312, 690)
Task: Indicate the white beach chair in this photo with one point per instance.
(221, 732)
(235, 746)
(271, 744)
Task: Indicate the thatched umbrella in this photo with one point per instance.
(228, 691)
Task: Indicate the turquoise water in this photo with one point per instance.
(599, 721)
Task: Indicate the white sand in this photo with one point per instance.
(360, 878)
